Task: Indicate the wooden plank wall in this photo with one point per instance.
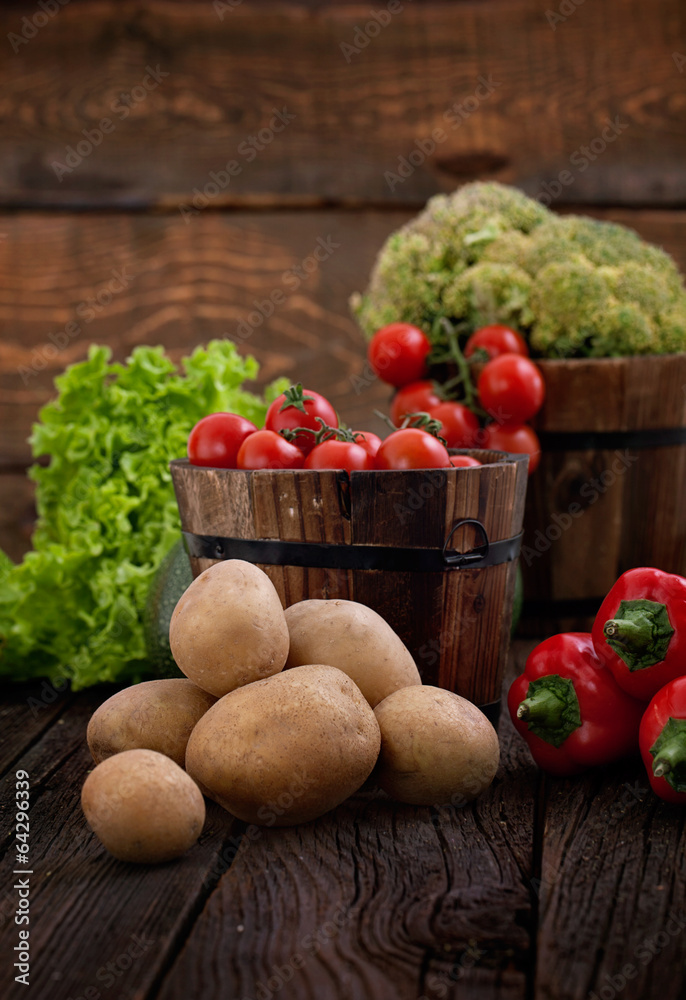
(115, 116)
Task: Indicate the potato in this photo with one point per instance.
(142, 807)
(286, 749)
(229, 628)
(436, 747)
(355, 639)
(154, 715)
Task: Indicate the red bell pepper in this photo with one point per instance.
(640, 630)
(662, 739)
(569, 709)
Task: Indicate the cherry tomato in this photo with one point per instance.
(496, 340)
(334, 454)
(412, 448)
(463, 461)
(370, 442)
(416, 397)
(215, 440)
(298, 407)
(398, 352)
(459, 426)
(511, 389)
(519, 439)
(268, 450)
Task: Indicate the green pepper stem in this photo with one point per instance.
(634, 635)
(542, 707)
(672, 756)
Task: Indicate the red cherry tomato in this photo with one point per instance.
(459, 426)
(334, 454)
(463, 461)
(519, 439)
(398, 352)
(370, 442)
(268, 450)
(511, 389)
(215, 440)
(496, 340)
(417, 397)
(298, 407)
(412, 448)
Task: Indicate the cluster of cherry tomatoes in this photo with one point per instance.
(302, 431)
(509, 387)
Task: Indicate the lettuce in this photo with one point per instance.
(107, 514)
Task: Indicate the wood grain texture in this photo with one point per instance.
(130, 915)
(612, 889)
(592, 514)
(188, 283)
(180, 285)
(376, 901)
(550, 90)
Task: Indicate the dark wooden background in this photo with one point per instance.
(192, 277)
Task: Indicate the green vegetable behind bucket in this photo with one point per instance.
(107, 514)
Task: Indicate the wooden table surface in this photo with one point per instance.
(543, 888)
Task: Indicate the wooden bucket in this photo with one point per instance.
(391, 540)
(610, 492)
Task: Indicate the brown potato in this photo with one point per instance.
(436, 747)
(142, 807)
(286, 749)
(155, 715)
(228, 628)
(353, 638)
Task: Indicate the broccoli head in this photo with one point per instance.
(574, 286)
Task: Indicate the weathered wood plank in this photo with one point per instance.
(26, 711)
(254, 279)
(96, 922)
(376, 900)
(612, 890)
(514, 97)
(180, 285)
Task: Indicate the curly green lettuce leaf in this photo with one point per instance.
(107, 514)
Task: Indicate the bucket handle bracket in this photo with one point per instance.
(476, 555)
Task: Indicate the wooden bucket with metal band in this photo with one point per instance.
(432, 551)
(610, 492)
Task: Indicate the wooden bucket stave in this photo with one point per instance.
(613, 434)
(455, 621)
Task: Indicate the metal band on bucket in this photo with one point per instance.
(669, 437)
(324, 555)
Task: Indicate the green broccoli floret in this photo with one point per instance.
(574, 286)
(491, 293)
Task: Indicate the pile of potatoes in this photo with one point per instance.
(281, 716)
